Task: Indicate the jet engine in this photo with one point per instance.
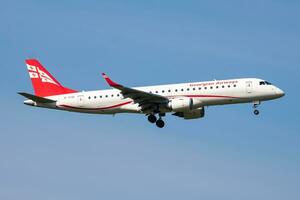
(193, 114)
(184, 104)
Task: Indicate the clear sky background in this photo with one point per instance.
(230, 154)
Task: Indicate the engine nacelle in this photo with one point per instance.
(184, 104)
(193, 114)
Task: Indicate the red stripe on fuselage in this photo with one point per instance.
(102, 108)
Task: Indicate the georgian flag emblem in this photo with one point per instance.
(35, 72)
(31, 68)
(33, 75)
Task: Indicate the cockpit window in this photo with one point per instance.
(264, 83)
(268, 83)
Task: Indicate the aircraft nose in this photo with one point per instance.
(279, 92)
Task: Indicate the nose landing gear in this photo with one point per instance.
(255, 106)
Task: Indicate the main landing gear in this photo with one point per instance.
(152, 119)
(159, 122)
(255, 106)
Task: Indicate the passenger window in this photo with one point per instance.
(228, 86)
(234, 85)
(199, 88)
(106, 96)
(223, 86)
(217, 87)
(169, 90)
(188, 89)
(205, 88)
(211, 87)
(163, 91)
(194, 88)
(176, 90)
(182, 90)
(89, 97)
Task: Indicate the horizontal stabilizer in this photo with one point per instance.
(36, 98)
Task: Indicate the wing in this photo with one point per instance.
(147, 101)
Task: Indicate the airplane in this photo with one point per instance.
(185, 100)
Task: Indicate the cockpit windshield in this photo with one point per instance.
(268, 83)
(264, 83)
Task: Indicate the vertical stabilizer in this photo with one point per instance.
(44, 84)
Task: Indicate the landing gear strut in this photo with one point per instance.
(255, 106)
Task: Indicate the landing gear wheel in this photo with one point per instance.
(255, 106)
(160, 123)
(152, 119)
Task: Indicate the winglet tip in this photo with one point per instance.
(105, 77)
(109, 81)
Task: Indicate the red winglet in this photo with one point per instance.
(110, 82)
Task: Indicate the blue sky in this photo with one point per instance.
(230, 154)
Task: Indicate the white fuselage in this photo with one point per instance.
(210, 93)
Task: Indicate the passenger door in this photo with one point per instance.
(249, 87)
(80, 100)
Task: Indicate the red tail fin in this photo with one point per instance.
(44, 84)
